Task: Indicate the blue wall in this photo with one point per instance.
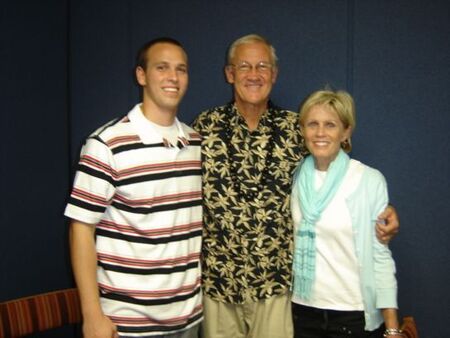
(66, 68)
(35, 169)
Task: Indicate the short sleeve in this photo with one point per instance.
(94, 183)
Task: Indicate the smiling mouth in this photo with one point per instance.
(254, 86)
(320, 143)
(171, 90)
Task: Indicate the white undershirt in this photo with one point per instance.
(170, 133)
(336, 284)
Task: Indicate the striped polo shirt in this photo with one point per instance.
(143, 194)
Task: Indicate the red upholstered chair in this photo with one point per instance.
(24, 316)
(409, 327)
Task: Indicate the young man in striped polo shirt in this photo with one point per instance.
(135, 211)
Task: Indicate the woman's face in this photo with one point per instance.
(323, 132)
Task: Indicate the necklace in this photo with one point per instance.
(243, 190)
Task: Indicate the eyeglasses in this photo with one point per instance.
(245, 67)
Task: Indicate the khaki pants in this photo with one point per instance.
(267, 318)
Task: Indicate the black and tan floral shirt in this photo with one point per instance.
(248, 232)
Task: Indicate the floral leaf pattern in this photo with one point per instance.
(247, 242)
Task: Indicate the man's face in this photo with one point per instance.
(165, 79)
(252, 83)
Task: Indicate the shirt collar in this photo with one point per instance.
(265, 122)
(147, 133)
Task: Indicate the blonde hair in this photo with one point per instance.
(339, 101)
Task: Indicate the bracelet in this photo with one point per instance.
(392, 332)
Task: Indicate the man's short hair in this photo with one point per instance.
(141, 58)
(251, 38)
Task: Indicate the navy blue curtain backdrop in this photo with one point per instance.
(67, 68)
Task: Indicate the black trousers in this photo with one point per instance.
(310, 322)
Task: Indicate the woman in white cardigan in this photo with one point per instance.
(344, 278)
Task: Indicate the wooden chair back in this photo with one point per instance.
(24, 316)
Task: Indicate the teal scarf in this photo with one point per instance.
(312, 203)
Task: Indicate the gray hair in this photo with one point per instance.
(251, 38)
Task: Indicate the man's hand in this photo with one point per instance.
(387, 225)
(101, 327)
